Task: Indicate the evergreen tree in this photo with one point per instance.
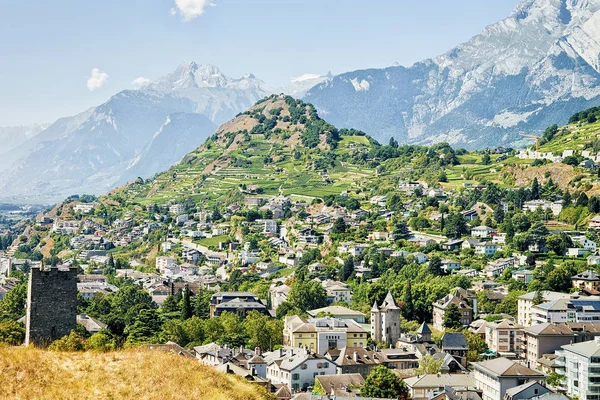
(567, 199)
(339, 226)
(582, 200)
(186, 304)
(409, 309)
(535, 189)
(347, 269)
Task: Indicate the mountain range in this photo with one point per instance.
(535, 68)
(530, 70)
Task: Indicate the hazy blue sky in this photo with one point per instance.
(49, 49)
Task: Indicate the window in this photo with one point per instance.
(326, 365)
(295, 377)
(304, 366)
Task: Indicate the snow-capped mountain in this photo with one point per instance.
(215, 95)
(300, 85)
(530, 70)
(135, 133)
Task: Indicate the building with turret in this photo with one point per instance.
(385, 321)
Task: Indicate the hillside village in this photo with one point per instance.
(315, 261)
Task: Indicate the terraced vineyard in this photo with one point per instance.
(280, 160)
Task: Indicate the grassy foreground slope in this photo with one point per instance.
(130, 374)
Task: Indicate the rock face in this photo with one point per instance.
(135, 133)
(528, 71)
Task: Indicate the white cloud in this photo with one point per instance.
(191, 9)
(97, 80)
(141, 81)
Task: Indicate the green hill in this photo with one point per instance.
(278, 146)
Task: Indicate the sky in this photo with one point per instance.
(60, 57)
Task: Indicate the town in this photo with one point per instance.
(448, 280)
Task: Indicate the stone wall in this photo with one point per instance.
(51, 304)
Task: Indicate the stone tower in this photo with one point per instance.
(51, 304)
(385, 321)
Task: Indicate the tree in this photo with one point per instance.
(12, 333)
(261, 331)
(307, 295)
(144, 329)
(347, 269)
(456, 225)
(555, 379)
(535, 189)
(582, 200)
(567, 199)
(339, 226)
(452, 317)
(538, 298)
(559, 279)
(70, 342)
(486, 160)
(383, 383)
(408, 311)
(476, 344)
(435, 266)
(101, 341)
(509, 305)
(428, 365)
(186, 304)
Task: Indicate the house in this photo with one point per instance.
(586, 243)
(375, 236)
(450, 265)
(594, 222)
(420, 257)
(523, 275)
(164, 263)
(582, 363)
(297, 368)
(91, 325)
(357, 360)
(339, 312)
(533, 205)
(593, 260)
(440, 307)
(321, 334)
(526, 391)
(176, 209)
(385, 321)
(470, 215)
(452, 245)
(589, 280)
(84, 208)
(409, 187)
(525, 303)
(379, 200)
(420, 386)
(576, 252)
(495, 377)
(337, 292)
(239, 303)
(455, 344)
(486, 248)
(340, 385)
(482, 231)
(494, 269)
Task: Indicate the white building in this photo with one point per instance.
(482, 231)
(495, 377)
(582, 367)
(525, 303)
(164, 263)
(533, 205)
(176, 209)
(297, 368)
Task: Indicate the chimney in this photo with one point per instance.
(355, 356)
(257, 351)
(253, 371)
